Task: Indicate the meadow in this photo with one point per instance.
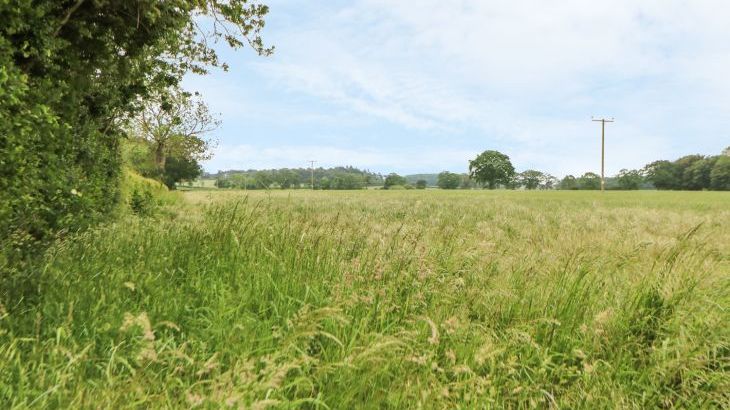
(377, 299)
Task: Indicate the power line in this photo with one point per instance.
(603, 122)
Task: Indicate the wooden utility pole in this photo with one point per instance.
(603, 122)
(311, 167)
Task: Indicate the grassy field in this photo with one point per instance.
(377, 299)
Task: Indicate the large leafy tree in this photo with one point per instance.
(180, 169)
(394, 180)
(175, 123)
(491, 168)
(69, 71)
(531, 179)
(448, 180)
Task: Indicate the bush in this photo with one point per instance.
(144, 196)
(142, 203)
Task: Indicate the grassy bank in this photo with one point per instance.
(383, 299)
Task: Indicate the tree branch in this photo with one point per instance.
(68, 16)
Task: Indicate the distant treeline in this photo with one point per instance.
(291, 178)
(689, 173)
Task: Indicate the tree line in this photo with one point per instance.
(493, 169)
(688, 173)
(336, 178)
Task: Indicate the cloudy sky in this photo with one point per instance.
(414, 86)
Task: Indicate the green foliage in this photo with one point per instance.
(491, 168)
(139, 156)
(589, 181)
(629, 179)
(394, 180)
(448, 180)
(174, 124)
(431, 179)
(132, 182)
(411, 299)
(663, 174)
(180, 169)
(287, 178)
(569, 182)
(142, 203)
(69, 71)
(698, 175)
(531, 179)
(339, 178)
(691, 173)
(720, 175)
(421, 184)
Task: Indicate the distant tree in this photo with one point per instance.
(448, 180)
(589, 181)
(726, 152)
(720, 175)
(325, 183)
(222, 183)
(347, 180)
(491, 168)
(180, 169)
(264, 179)
(685, 164)
(287, 179)
(530, 179)
(394, 179)
(174, 123)
(512, 183)
(568, 183)
(549, 182)
(663, 174)
(629, 179)
(421, 184)
(697, 176)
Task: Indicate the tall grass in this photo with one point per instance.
(382, 300)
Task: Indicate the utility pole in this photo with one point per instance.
(603, 122)
(311, 167)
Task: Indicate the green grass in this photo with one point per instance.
(378, 299)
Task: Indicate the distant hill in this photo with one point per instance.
(429, 178)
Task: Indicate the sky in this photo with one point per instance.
(421, 86)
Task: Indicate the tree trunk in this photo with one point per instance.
(160, 157)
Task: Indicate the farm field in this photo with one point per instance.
(378, 299)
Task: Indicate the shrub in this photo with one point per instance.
(142, 203)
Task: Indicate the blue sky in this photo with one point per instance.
(424, 86)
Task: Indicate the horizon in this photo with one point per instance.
(517, 169)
